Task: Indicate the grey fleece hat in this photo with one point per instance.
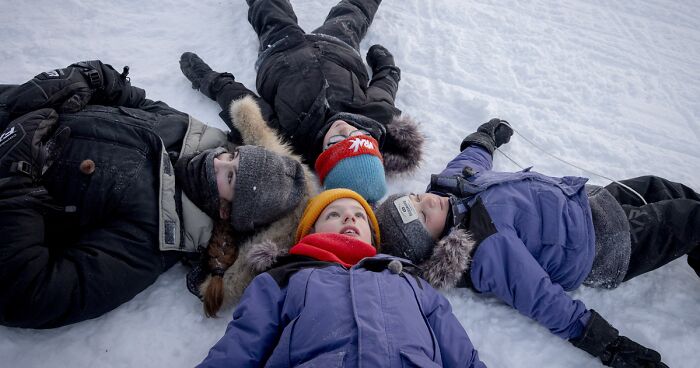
(268, 186)
(403, 234)
(195, 175)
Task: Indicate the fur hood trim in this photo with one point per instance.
(263, 255)
(451, 258)
(405, 142)
(247, 118)
(259, 251)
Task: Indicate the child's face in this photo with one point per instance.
(345, 216)
(225, 168)
(432, 210)
(339, 131)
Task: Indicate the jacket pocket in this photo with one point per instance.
(334, 359)
(416, 360)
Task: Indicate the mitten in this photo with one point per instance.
(602, 340)
(489, 135)
(28, 147)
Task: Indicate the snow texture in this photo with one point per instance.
(610, 86)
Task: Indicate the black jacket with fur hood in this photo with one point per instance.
(304, 80)
(106, 219)
(333, 79)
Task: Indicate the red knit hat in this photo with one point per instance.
(353, 163)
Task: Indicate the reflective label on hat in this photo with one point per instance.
(406, 210)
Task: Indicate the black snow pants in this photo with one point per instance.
(666, 228)
(274, 20)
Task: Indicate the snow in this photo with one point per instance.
(613, 87)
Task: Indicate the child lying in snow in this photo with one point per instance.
(334, 302)
(526, 238)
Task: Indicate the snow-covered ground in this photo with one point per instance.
(612, 86)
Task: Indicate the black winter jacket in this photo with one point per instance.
(303, 80)
(309, 78)
(61, 266)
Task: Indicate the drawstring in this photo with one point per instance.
(568, 163)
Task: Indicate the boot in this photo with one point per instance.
(378, 57)
(200, 74)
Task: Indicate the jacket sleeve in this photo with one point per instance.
(71, 88)
(252, 334)
(503, 266)
(455, 347)
(477, 158)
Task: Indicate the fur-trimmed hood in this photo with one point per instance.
(403, 148)
(451, 258)
(278, 236)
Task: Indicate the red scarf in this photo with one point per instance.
(331, 247)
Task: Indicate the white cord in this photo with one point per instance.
(568, 163)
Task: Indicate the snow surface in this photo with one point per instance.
(612, 86)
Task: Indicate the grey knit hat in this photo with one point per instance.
(403, 234)
(195, 175)
(267, 187)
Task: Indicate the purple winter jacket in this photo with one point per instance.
(541, 240)
(319, 314)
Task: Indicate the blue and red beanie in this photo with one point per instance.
(354, 163)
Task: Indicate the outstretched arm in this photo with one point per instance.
(254, 330)
(477, 148)
(71, 88)
(455, 347)
(503, 266)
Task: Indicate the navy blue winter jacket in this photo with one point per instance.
(535, 239)
(320, 314)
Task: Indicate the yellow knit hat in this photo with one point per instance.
(318, 203)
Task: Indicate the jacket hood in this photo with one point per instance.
(263, 255)
(451, 258)
(259, 250)
(403, 150)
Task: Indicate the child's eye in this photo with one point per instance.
(360, 215)
(333, 214)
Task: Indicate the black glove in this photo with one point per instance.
(28, 147)
(602, 340)
(66, 90)
(379, 57)
(114, 88)
(70, 89)
(489, 135)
